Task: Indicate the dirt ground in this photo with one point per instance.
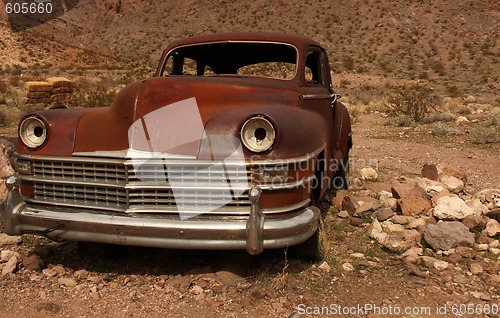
(359, 279)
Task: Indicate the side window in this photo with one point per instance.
(313, 68)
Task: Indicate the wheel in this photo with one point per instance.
(314, 248)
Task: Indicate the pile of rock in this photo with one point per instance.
(430, 213)
(56, 90)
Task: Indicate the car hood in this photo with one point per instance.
(168, 116)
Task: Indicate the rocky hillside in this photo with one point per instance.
(454, 45)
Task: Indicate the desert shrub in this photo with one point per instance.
(414, 101)
(404, 121)
(434, 117)
(354, 112)
(464, 110)
(442, 130)
(3, 100)
(484, 135)
(87, 94)
(4, 88)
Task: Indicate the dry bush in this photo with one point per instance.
(87, 94)
(442, 130)
(434, 117)
(414, 101)
(484, 135)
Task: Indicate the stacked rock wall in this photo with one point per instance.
(56, 90)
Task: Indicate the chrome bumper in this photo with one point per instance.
(254, 235)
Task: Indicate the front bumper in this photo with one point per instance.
(254, 234)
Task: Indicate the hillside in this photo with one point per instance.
(453, 45)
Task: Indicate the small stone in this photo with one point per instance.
(494, 251)
(355, 221)
(492, 228)
(49, 272)
(461, 279)
(474, 222)
(452, 184)
(9, 240)
(347, 267)
(82, 273)
(384, 214)
(196, 290)
(324, 267)
(495, 279)
(343, 214)
(412, 254)
(10, 266)
(368, 174)
(402, 241)
(358, 255)
(481, 247)
(33, 262)
(440, 265)
(228, 278)
(462, 120)
(466, 252)
(6, 255)
(390, 227)
(476, 269)
(59, 269)
(418, 224)
(374, 228)
(495, 244)
(348, 205)
(454, 258)
(94, 295)
(113, 285)
(68, 282)
(401, 219)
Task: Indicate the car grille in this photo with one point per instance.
(149, 186)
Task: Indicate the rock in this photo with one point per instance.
(440, 265)
(347, 267)
(494, 214)
(481, 247)
(390, 227)
(410, 198)
(10, 266)
(196, 290)
(33, 262)
(81, 273)
(427, 261)
(180, 282)
(495, 244)
(355, 221)
(430, 186)
(348, 205)
(440, 170)
(392, 204)
(384, 214)
(59, 269)
(6, 255)
(412, 254)
(451, 208)
(452, 184)
(476, 269)
(494, 251)
(9, 240)
(477, 206)
(366, 209)
(401, 219)
(494, 279)
(461, 279)
(377, 187)
(474, 222)
(418, 224)
(401, 241)
(374, 228)
(6, 169)
(380, 237)
(68, 282)
(492, 228)
(368, 174)
(447, 235)
(343, 214)
(466, 252)
(462, 120)
(49, 272)
(324, 267)
(228, 278)
(454, 258)
(414, 270)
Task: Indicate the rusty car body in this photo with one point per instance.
(200, 156)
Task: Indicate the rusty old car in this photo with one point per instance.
(230, 145)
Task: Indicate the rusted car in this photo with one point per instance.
(229, 146)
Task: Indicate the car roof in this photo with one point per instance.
(298, 41)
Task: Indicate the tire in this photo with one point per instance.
(314, 248)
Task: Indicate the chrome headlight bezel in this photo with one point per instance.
(33, 132)
(258, 134)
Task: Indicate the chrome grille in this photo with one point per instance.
(141, 187)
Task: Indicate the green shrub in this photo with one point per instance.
(414, 101)
(443, 117)
(405, 121)
(484, 135)
(442, 130)
(87, 94)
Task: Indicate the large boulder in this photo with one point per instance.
(448, 235)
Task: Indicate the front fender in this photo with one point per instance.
(298, 132)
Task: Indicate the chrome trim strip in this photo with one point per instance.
(173, 162)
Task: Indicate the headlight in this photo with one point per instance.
(258, 134)
(33, 132)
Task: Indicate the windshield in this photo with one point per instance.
(262, 59)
